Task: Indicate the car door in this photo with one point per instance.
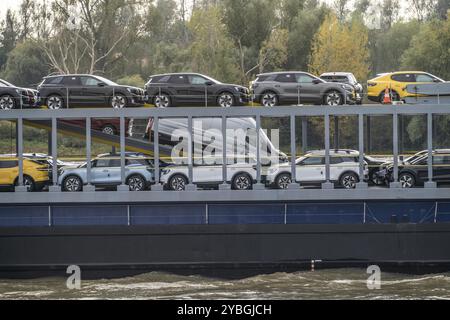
(179, 86)
(74, 91)
(100, 171)
(400, 81)
(93, 91)
(115, 171)
(9, 170)
(311, 169)
(199, 90)
(308, 90)
(441, 168)
(208, 171)
(286, 84)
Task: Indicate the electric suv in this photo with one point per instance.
(106, 172)
(241, 176)
(35, 174)
(74, 91)
(311, 169)
(287, 88)
(347, 78)
(414, 171)
(184, 89)
(12, 97)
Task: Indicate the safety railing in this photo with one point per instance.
(225, 114)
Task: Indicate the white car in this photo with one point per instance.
(311, 169)
(240, 176)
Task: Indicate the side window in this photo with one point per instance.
(72, 81)
(55, 80)
(441, 160)
(424, 78)
(197, 80)
(179, 79)
(313, 161)
(406, 77)
(342, 79)
(8, 164)
(102, 163)
(286, 78)
(89, 81)
(304, 78)
(336, 160)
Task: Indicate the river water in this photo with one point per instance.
(321, 284)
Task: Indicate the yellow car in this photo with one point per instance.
(397, 82)
(35, 174)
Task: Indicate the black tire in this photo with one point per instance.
(118, 101)
(333, 98)
(225, 100)
(242, 181)
(7, 102)
(72, 184)
(178, 183)
(394, 96)
(136, 183)
(376, 180)
(27, 182)
(109, 129)
(407, 180)
(349, 180)
(162, 100)
(55, 102)
(283, 181)
(269, 99)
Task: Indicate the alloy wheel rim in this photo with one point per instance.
(269, 100)
(118, 102)
(72, 184)
(162, 101)
(54, 103)
(284, 182)
(226, 101)
(349, 182)
(242, 183)
(333, 99)
(406, 181)
(108, 130)
(136, 184)
(6, 103)
(28, 184)
(178, 184)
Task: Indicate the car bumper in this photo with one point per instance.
(137, 100)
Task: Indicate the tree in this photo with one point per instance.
(389, 13)
(212, 50)
(9, 34)
(429, 49)
(424, 9)
(273, 54)
(340, 47)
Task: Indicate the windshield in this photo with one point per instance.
(212, 79)
(107, 81)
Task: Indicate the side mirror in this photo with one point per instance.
(316, 81)
(437, 81)
(209, 83)
(101, 84)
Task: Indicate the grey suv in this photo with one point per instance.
(287, 88)
(348, 78)
(106, 172)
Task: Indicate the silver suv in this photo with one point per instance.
(287, 88)
(106, 172)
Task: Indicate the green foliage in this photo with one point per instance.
(430, 49)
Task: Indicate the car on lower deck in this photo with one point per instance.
(77, 91)
(13, 97)
(311, 170)
(106, 173)
(296, 87)
(35, 174)
(241, 176)
(106, 126)
(193, 89)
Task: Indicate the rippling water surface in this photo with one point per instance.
(323, 284)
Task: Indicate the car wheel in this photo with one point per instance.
(225, 100)
(178, 183)
(162, 101)
(283, 181)
(333, 98)
(28, 182)
(376, 179)
(109, 129)
(7, 102)
(118, 101)
(349, 180)
(269, 99)
(73, 184)
(394, 96)
(136, 183)
(242, 182)
(55, 102)
(407, 180)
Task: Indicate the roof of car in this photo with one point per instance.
(177, 74)
(71, 75)
(282, 72)
(340, 152)
(336, 74)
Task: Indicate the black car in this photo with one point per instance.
(184, 89)
(12, 97)
(414, 171)
(68, 91)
